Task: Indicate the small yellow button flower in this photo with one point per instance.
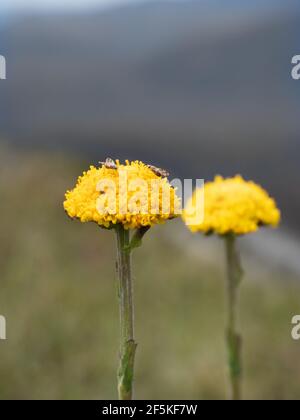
(135, 195)
(128, 199)
(232, 206)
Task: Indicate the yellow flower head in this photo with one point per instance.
(134, 194)
(231, 206)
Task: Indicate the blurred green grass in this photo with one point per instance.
(58, 294)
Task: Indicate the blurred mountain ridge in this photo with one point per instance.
(183, 84)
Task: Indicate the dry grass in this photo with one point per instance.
(58, 293)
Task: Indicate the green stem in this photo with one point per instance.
(125, 289)
(234, 340)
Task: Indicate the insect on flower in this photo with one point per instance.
(159, 171)
(109, 164)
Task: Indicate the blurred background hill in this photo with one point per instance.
(196, 86)
(199, 87)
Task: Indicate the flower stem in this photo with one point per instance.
(125, 292)
(234, 340)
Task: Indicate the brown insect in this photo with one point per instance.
(109, 164)
(159, 171)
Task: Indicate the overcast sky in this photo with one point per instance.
(55, 4)
(27, 5)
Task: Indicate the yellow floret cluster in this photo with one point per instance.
(92, 199)
(232, 206)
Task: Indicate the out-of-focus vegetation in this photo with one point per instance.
(58, 293)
